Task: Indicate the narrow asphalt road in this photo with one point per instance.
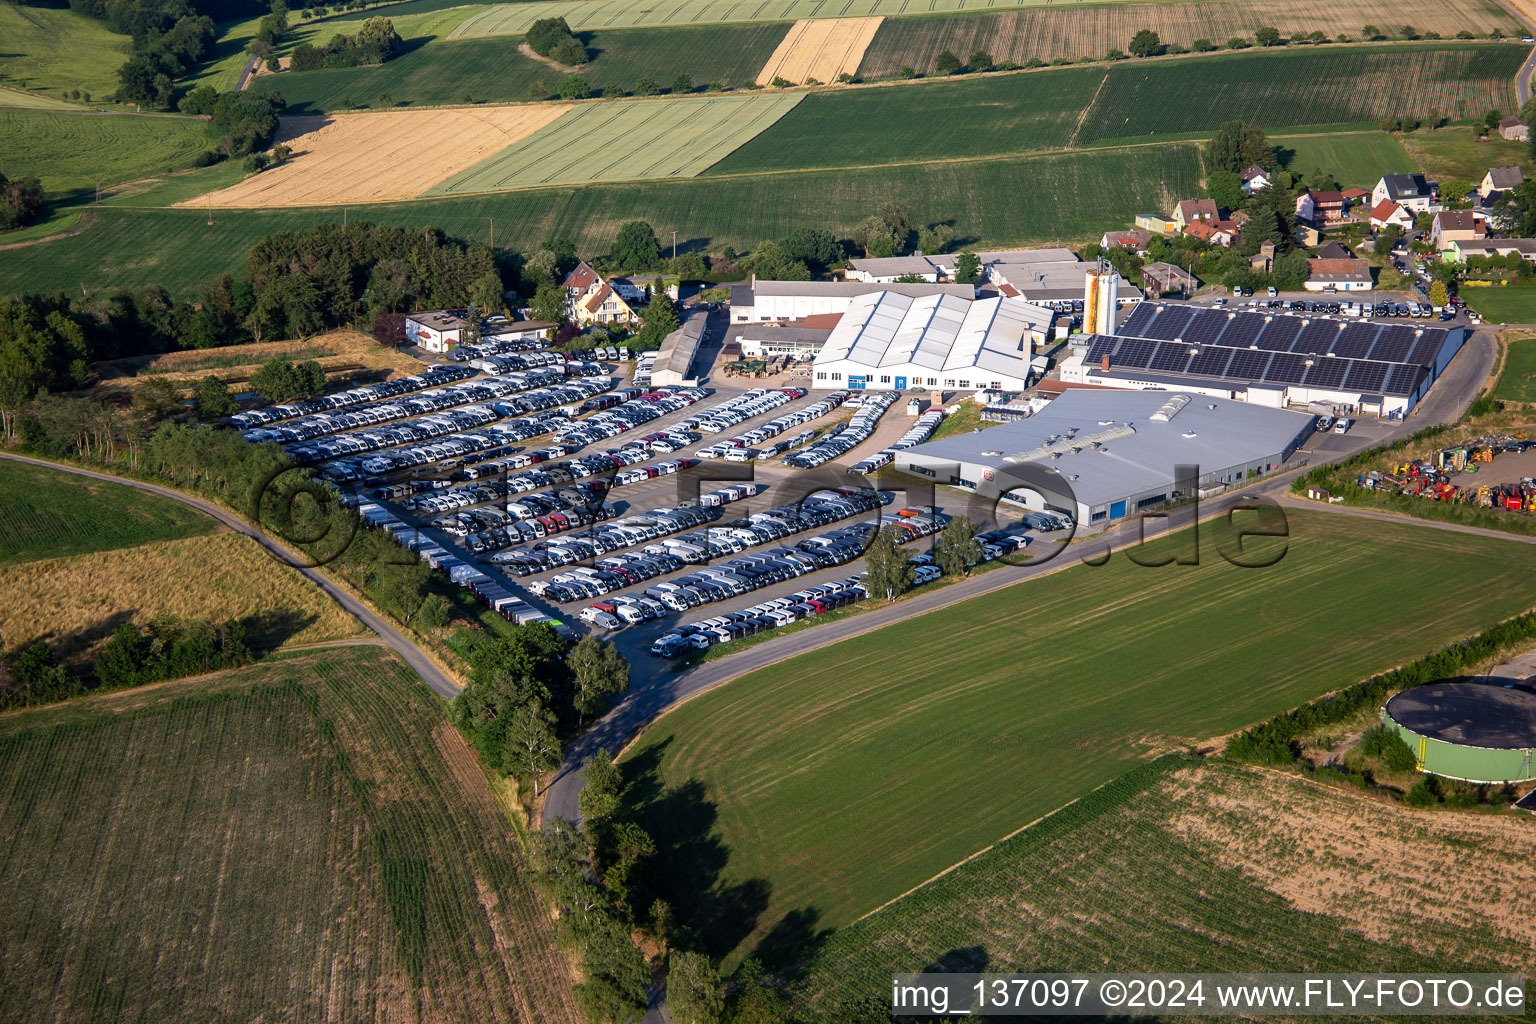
(413, 656)
(1523, 76)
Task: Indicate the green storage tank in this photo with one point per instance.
(1477, 731)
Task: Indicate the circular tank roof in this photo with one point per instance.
(1500, 715)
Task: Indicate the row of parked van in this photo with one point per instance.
(836, 443)
(921, 431)
(521, 420)
(631, 414)
(824, 597)
(494, 346)
(746, 406)
(741, 447)
(432, 377)
(513, 362)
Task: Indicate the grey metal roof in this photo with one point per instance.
(1052, 255)
(894, 266)
(742, 295)
(678, 348)
(840, 288)
(774, 332)
(1138, 453)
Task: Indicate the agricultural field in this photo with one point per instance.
(976, 730)
(1279, 89)
(336, 158)
(819, 50)
(630, 141)
(1355, 158)
(1076, 31)
(1517, 380)
(1508, 305)
(76, 601)
(1457, 153)
(48, 514)
(338, 352)
(15, 98)
(70, 150)
(491, 70)
(34, 59)
(113, 251)
(952, 120)
(1215, 867)
(594, 15)
(306, 839)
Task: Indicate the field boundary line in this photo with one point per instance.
(1082, 118)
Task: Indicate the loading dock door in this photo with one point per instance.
(1117, 510)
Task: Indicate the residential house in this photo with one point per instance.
(1213, 232)
(1524, 247)
(436, 330)
(1412, 192)
(1190, 210)
(1356, 196)
(1306, 236)
(640, 287)
(1457, 226)
(1321, 207)
(1387, 213)
(1156, 224)
(589, 299)
(1163, 279)
(1255, 178)
(1349, 275)
(1334, 251)
(516, 330)
(1515, 129)
(1135, 240)
(1499, 179)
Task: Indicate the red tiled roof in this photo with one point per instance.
(1010, 291)
(581, 278)
(820, 321)
(1384, 209)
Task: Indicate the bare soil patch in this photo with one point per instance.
(369, 157)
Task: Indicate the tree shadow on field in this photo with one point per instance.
(690, 858)
(268, 630)
(72, 646)
(1283, 156)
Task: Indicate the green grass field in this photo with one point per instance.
(69, 151)
(933, 121)
(1169, 865)
(15, 98)
(1080, 31)
(835, 781)
(1355, 158)
(1508, 305)
(306, 839)
(434, 71)
(740, 211)
(634, 141)
(48, 514)
(1457, 153)
(35, 58)
(1517, 381)
(1277, 88)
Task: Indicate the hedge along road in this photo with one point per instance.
(413, 656)
(654, 689)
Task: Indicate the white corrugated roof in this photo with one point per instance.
(940, 332)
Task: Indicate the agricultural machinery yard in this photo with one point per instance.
(1492, 471)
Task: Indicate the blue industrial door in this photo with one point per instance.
(856, 383)
(901, 383)
(1117, 510)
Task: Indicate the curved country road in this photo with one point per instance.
(1523, 76)
(398, 642)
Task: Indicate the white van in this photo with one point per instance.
(1342, 427)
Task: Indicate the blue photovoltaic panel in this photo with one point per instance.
(1102, 346)
(1205, 327)
(1135, 352)
(1279, 333)
(1327, 373)
(1393, 349)
(1170, 357)
(1355, 341)
(1318, 337)
(1367, 377)
(1286, 368)
(1242, 330)
(1427, 348)
(1404, 378)
(1139, 318)
(1170, 323)
(1247, 364)
(1212, 361)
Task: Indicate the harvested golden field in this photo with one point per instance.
(76, 602)
(1045, 33)
(820, 50)
(394, 154)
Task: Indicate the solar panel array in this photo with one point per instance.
(1323, 354)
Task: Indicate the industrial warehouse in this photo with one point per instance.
(1472, 731)
(890, 340)
(1267, 359)
(1103, 455)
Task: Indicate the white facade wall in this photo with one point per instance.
(844, 373)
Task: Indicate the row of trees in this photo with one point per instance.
(169, 648)
(376, 42)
